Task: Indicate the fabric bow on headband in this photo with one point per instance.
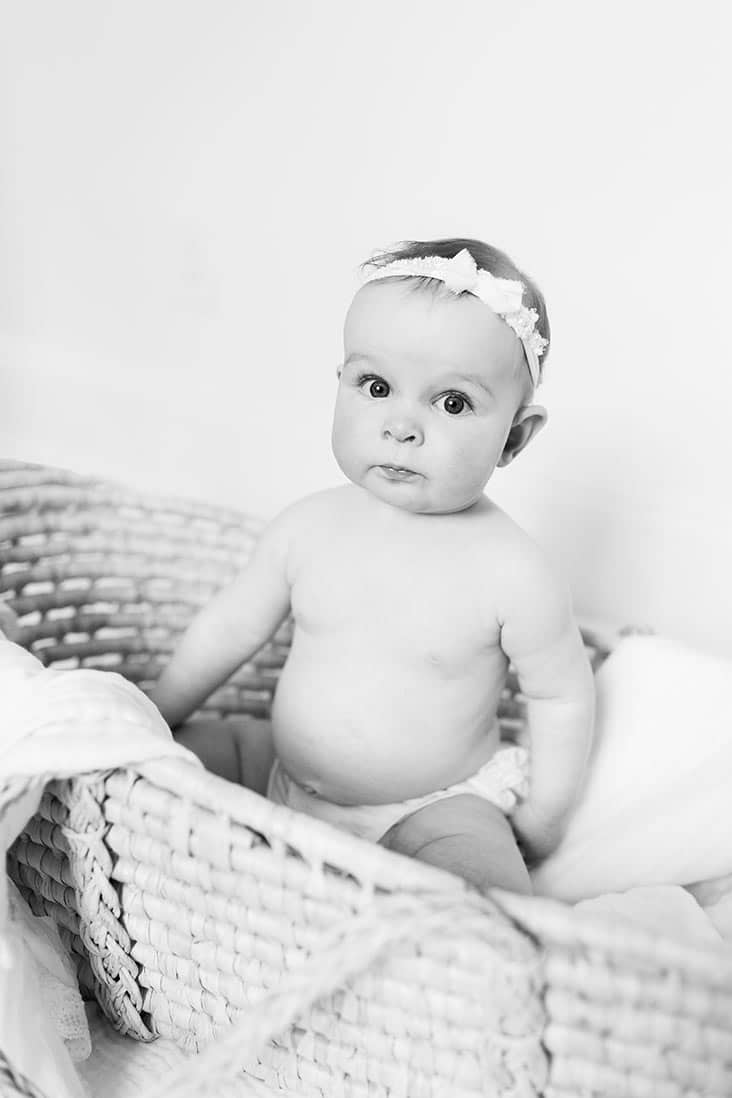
(503, 295)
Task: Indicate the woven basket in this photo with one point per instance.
(197, 910)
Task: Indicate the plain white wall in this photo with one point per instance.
(190, 185)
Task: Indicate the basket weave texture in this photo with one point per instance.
(198, 911)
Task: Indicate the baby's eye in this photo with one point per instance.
(455, 403)
(377, 387)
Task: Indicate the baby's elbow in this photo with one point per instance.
(579, 675)
(580, 683)
(575, 696)
(588, 683)
(585, 702)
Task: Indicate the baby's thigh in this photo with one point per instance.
(467, 836)
(239, 748)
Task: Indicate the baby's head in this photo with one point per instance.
(441, 362)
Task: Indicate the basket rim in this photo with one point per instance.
(561, 924)
(317, 842)
(546, 920)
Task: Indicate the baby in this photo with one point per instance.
(411, 591)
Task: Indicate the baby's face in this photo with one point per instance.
(426, 398)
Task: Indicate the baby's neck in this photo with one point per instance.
(393, 515)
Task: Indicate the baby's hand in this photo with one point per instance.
(537, 835)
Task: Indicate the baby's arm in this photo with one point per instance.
(541, 638)
(240, 618)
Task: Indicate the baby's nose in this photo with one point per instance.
(403, 429)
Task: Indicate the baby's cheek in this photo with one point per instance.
(343, 430)
(483, 456)
(469, 462)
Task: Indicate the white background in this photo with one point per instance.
(189, 186)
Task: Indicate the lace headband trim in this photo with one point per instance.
(504, 295)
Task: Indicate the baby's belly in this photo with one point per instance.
(355, 734)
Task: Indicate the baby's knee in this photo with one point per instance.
(467, 836)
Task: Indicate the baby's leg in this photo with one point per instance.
(467, 836)
(239, 749)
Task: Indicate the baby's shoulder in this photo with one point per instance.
(317, 505)
(506, 538)
(525, 568)
(312, 512)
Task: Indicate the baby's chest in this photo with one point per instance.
(422, 607)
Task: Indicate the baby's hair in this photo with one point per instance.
(486, 257)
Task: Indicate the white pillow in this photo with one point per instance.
(656, 807)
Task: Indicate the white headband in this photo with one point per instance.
(503, 295)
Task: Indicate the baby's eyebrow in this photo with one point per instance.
(355, 357)
(476, 379)
(454, 377)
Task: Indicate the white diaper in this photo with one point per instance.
(501, 781)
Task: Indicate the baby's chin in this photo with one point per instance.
(414, 499)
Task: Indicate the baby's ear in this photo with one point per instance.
(527, 423)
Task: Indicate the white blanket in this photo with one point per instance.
(55, 724)
(657, 804)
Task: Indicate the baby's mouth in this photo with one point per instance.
(397, 472)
